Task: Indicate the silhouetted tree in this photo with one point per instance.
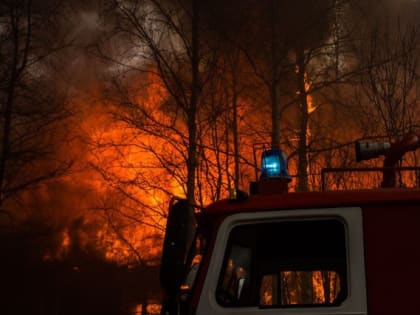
(32, 110)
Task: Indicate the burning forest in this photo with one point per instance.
(110, 109)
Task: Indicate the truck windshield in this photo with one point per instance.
(286, 263)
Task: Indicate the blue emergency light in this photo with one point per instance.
(274, 164)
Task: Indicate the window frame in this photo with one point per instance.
(257, 230)
(355, 301)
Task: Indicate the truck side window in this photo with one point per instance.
(285, 264)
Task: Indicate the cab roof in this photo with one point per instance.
(311, 200)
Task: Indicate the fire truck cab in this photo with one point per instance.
(274, 252)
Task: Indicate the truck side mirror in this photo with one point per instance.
(179, 233)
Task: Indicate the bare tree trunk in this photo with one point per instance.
(192, 109)
(235, 141)
(235, 124)
(144, 306)
(305, 288)
(302, 184)
(326, 283)
(274, 88)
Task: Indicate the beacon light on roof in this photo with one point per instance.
(274, 165)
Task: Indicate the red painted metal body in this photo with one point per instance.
(381, 246)
(391, 231)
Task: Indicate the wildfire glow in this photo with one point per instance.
(127, 181)
(151, 309)
(311, 106)
(300, 287)
(132, 172)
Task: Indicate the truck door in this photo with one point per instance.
(287, 262)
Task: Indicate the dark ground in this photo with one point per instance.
(64, 290)
(80, 284)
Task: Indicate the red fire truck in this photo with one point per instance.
(274, 252)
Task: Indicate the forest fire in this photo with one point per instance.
(128, 190)
(323, 289)
(110, 109)
(128, 212)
